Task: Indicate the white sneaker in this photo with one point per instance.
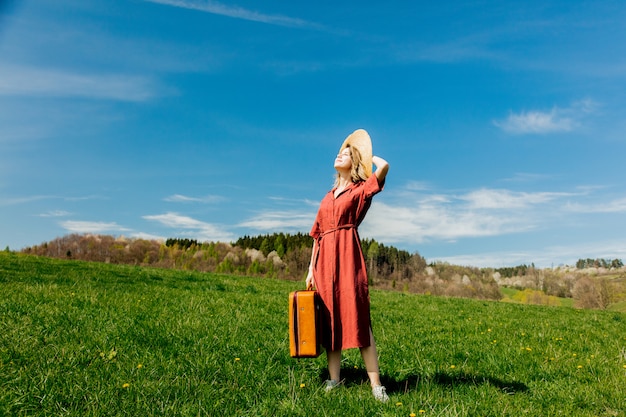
(330, 385)
(380, 393)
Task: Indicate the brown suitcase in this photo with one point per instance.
(304, 331)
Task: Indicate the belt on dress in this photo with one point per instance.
(344, 226)
(334, 229)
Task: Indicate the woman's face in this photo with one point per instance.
(343, 160)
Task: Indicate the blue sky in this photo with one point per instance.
(503, 122)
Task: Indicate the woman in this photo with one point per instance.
(337, 268)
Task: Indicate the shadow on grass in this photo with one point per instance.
(354, 376)
(412, 382)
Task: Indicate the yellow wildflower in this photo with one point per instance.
(126, 385)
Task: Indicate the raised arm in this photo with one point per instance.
(382, 167)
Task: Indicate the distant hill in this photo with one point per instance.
(600, 284)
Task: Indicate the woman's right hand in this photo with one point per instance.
(310, 280)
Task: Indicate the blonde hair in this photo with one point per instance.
(358, 169)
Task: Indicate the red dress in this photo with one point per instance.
(339, 266)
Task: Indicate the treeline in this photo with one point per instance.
(279, 242)
(279, 255)
(515, 271)
(185, 254)
(523, 270)
(592, 284)
(181, 243)
(384, 262)
(599, 263)
(595, 283)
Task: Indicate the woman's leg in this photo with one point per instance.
(370, 357)
(334, 364)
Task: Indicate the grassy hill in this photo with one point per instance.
(92, 339)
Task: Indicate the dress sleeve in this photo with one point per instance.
(372, 187)
(315, 231)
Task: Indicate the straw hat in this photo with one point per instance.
(360, 139)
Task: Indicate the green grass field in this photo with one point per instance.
(88, 339)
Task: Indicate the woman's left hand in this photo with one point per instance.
(382, 167)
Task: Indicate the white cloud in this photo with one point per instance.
(417, 217)
(294, 201)
(614, 206)
(447, 222)
(11, 201)
(77, 226)
(418, 186)
(175, 220)
(214, 7)
(555, 120)
(148, 236)
(191, 227)
(22, 200)
(494, 259)
(281, 220)
(536, 122)
(178, 198)
(29, 81)
(505, 199)
(55, 213)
